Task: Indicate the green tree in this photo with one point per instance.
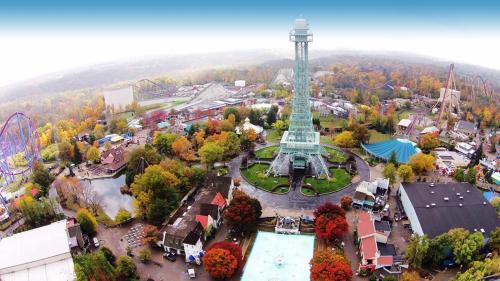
(108, 254)
(145, 255)
(42, 177)
(155, 193)
(64, 148)
(405, 173)
(280, 126)
(393, 159)
(93, 154)
(87, 222)
(480, 269)
(163, 142)
(467, 250)
(235, 112)
(470, 176)
(417, 250)
(77, 154)
(126, 269)
(39, 212)
(440, 248)
(272, 115)
(231, 145)
(122, 216)
(360, 133)
(496, 204)
(138, 159)
(93, 267)
(495, 239)
(210, 153)
(459, 175)
(389, 172)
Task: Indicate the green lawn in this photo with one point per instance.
(377, 136)
(266, 152)
(273, 135)
(340, 178)
(330, 121)
(127, 115)
(256, 176)
(336, 155)
(404, 114)
(326, 140)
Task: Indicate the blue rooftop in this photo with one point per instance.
(404, 149)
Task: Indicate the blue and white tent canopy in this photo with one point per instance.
(403, 148)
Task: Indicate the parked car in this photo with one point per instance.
(170, 256)
(96, 242)
(191, 273)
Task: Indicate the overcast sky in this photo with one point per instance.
(39, 37)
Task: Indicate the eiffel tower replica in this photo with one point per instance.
(300, 150)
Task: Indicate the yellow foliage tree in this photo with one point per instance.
(422, 163)
(345, 139)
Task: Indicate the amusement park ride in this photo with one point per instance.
(300, 146)
(19, 149)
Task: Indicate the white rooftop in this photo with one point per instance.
(404, 122)
(39, 254)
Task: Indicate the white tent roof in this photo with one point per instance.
(39, 254)
(404, 122)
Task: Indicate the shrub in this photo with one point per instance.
(145, 255)
(122, 216)
(346, 202)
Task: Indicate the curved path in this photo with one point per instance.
(294, 199)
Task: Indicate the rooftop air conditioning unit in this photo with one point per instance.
(446, 199)
(458, 193)
(460, 204)
(461, 197)
(433, 204)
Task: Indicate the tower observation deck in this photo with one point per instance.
(299, 146)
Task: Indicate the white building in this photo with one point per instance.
(448, 161)
(41, 254)
(239, 83)
(466, 149)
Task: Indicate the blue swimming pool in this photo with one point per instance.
(279, 257)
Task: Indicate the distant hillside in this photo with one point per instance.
(103, 75)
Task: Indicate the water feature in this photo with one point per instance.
(108, 190)
(273, 258)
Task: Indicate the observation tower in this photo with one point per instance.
(300, 150)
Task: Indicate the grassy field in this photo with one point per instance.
(404, 114)
(127, 115)
(256, 176)
(340, 179)
(377, 136)
(335, 155)
(330, 121)
(273, 135)
(266, 152)
(326, 140)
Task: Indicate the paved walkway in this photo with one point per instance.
(294, 199)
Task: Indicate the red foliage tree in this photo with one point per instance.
(330, 210)
(243, 212)
(233, 248)
(220, 263)
(329, 266)
(345, 202)
(330, 228)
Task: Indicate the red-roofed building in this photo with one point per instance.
(206, 221)
(219, 200)
(372, 238)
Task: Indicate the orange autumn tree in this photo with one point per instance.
(326, 265)
(183, 148)
(220, 263)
